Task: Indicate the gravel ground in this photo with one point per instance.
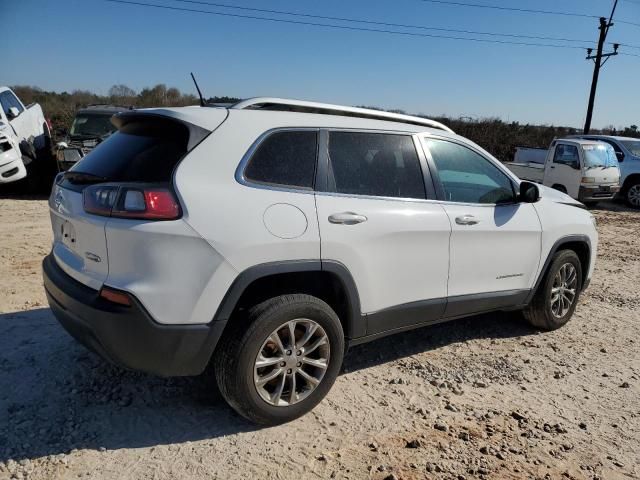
(485, 397)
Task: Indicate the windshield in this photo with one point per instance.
(599, 155)
(92, 125)
(633, 146)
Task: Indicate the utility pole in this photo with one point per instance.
(598, 63)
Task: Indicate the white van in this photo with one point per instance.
(586, 170)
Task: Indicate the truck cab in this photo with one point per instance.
(586, 170)
(25, 138)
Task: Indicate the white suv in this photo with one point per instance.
(268, 236)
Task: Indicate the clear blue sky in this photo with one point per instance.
(91, 44)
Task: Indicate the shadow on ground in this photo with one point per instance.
(56, 396)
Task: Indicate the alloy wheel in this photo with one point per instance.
(291, 362)
(563, 290)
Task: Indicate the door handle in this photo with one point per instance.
(552, 166)
(467, 220)
(347, 218)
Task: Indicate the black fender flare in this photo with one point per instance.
(355, 325)
(557, 246)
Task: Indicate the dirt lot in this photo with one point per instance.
(485, 397)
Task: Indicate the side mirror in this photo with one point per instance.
(620, 156)
(529, 192)
(13, 113)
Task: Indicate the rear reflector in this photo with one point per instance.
(115, 296)
(144, 202)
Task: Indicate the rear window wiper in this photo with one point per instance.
(83, 177)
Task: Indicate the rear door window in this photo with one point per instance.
(141, 151)
(374, 164)
(286, 159)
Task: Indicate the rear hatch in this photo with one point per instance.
(141, 155)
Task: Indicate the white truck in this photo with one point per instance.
(25, 137)
(586, 170)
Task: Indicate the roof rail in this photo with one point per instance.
(283, 104)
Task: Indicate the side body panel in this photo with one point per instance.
(532, 172)
(498, 253)
(398, 255)
(168, 267)
(560, 221)
(244, 225)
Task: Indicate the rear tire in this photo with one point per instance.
(249, 343)
(557, 296)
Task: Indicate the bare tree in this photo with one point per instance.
(121, 91)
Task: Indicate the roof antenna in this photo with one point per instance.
(202, 102)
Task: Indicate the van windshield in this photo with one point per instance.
(599, 155)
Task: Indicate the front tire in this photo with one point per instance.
(632, 194)
(279, 362)
(557, 296)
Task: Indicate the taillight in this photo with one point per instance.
(99, 199)
(145, 202)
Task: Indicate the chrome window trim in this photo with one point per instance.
(412, 135)
(241, 179)
(493, 161)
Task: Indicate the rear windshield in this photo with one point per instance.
(142, 151)
(92, 125)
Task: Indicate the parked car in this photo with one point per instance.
(27, 133)
(90, 126)
(269, 236)
(11, 165)
(586, 170)
(628, 152)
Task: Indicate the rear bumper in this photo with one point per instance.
(597, 192)
(127, 336)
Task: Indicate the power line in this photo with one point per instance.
(520, 10)
(399, 25)
(344, 27)
(387, 24)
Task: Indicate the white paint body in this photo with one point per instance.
(10, 158)
(405, 251)
(29, 126)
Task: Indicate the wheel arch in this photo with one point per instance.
(559, 187)
(330, 281)
(630, 180)
(580, 244)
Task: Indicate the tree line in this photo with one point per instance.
(498, 137)
(61, 107)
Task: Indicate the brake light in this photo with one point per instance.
(131, 201)
(115, 296)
